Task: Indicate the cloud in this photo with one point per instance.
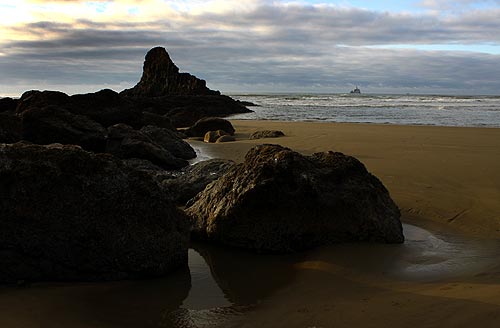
(257, 46)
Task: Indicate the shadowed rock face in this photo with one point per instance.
(125, 142)
(161, 77)
(194, 178)
(68, 214)
(207, 124)
(281, 201)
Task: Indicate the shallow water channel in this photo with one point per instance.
(222, 284)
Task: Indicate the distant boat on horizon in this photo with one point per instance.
(356, 90)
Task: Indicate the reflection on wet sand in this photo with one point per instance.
(230, 287)
(245, 277)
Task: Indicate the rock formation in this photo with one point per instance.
(125, 142)
(194, 178)
(281, 201)
(54, 124)
(212, 136)
(161, 77)
(68, 214)
(170, 141)
(266, 134)
(204, 125)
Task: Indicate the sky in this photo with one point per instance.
(254, 46)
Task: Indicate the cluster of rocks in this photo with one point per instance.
(91, 184)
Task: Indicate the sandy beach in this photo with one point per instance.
(443, 179)
(447, 184)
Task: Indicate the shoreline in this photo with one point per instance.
(444, 179)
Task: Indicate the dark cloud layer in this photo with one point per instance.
(272, 48)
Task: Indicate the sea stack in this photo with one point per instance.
(161, 77)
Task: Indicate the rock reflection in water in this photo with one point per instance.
(247, 278)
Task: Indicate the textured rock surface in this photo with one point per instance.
(161, 77)
(170, 141)
(266, 134)
(125, 142)
(54, 124)
(212, 136)
(10, 128)
(195, 178)
(281, 201)
(67, 214)
(226, 138)
(204, 125)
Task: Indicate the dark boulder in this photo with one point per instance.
(161, 77)
(125, 142)
(107, 107)
(8, 105)
(54, 124)
(35, 99)
(201, 127)
(170, 141)
(280, 201)
(10, 128)
(67, 214)
(193, 179)
(266, 134)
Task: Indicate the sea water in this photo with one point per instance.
(472, 111)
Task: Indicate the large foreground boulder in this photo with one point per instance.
(281, 201)
(67, 214)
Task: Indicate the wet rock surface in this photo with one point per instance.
(68, 214)
(281, 201)
(266, 134)
(193, 179)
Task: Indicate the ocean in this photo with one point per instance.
(439, 110)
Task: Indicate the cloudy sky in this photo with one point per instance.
(417, 46)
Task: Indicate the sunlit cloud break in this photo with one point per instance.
(253, 46)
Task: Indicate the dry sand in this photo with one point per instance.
(445, 179)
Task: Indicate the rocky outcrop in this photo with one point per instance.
(170, 141)
(125, 142)
(161, 77)
(266, 134)
(204, 125)
(281, 201)
(54, 124)
(193, 179)
(8, 105)
(68, 214)
(107, 107)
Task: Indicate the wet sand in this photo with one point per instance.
(446, 180)
(447, 273)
